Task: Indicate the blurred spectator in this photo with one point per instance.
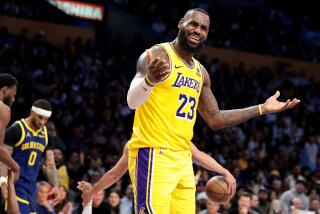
(44, 205)
(297, 193)
(244, 204)
(64, 206)
(114, 202)
(99, 206)
(127, 201)
(63, 176)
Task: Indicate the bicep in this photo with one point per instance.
(208, 106)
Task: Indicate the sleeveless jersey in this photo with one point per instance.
(28, 152)
(166, 119)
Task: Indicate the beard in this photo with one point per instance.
(8, 101)
(183, 41)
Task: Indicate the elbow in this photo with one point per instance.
(131, 103)
(215, 125)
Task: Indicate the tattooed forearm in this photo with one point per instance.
(51, 170)
(236, 116)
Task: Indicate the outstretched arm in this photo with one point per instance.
(211, 164)
(217, 119)
(110, 177)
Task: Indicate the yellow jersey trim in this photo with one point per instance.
(22, 200)
(46, 135)
(35, 133)
(23, 134)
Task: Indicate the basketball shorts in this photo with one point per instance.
(27, 200)
(163, 181)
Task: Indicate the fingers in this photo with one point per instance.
(149, 55)
(277, 94)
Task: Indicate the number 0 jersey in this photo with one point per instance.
(167, 118)
(28, 149)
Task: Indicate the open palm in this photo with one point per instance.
(272, 105)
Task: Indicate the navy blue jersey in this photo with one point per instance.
(28, 151)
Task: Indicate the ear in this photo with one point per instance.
(180, 23)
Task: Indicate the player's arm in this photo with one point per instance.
(12, 206)
(110, 177)
(52, 174)
(5, 156)
(150, 71)
(211, 164)
(217, 119)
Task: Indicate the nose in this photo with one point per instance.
(197, 30)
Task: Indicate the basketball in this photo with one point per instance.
(217, 190)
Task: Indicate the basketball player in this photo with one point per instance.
(8, 90)
(29, 139)
(114, 174)
(167, 92)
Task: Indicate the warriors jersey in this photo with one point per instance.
(166, 119)
(27, 152)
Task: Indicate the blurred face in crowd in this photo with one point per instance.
(244, 202)
(193, 31)
(300, 187)
(43, 191)
(254, 201)
(114, 199)
(212, 207)
(8, 94)
(63, 192)
(263, 196)
(296, 202)
(129, 191)
(315, 205)
(74, 158)
(58, 156)
(98, 198)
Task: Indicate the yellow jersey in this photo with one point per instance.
(166, 119)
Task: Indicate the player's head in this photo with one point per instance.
(8, 88)
(193, 30)
(40, 113)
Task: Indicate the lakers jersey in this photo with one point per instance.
(166, 119)
(27, 152)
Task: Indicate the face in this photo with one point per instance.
(43, 193)
(254, 201)
(300, 187)
(193, 31)
(244, 202)
(63, 193)
(129, 191)
(98, 198)
(38, 121)
(212, 207)
(58, 156)
(9, 94)
(114, 199)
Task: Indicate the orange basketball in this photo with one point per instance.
(217, 190)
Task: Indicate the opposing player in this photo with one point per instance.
(29, 139)
(114, 174)
(167, 92)
(8, 90)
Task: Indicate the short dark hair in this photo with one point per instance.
(197, 9)
(43, 104)
(7, 80)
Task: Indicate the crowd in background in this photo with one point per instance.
(264, 30)
(275, 158)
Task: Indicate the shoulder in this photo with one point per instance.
(5, 112)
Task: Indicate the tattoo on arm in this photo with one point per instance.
(51, 170)
(215, 118)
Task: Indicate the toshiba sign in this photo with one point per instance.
(80, 9)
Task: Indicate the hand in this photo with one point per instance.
(11, 177)
(231, 181)
(158, 69)
(272, 105)
(16, 171)
(55, 191)
(87, 192)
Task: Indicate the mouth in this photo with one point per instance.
(194, 39)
